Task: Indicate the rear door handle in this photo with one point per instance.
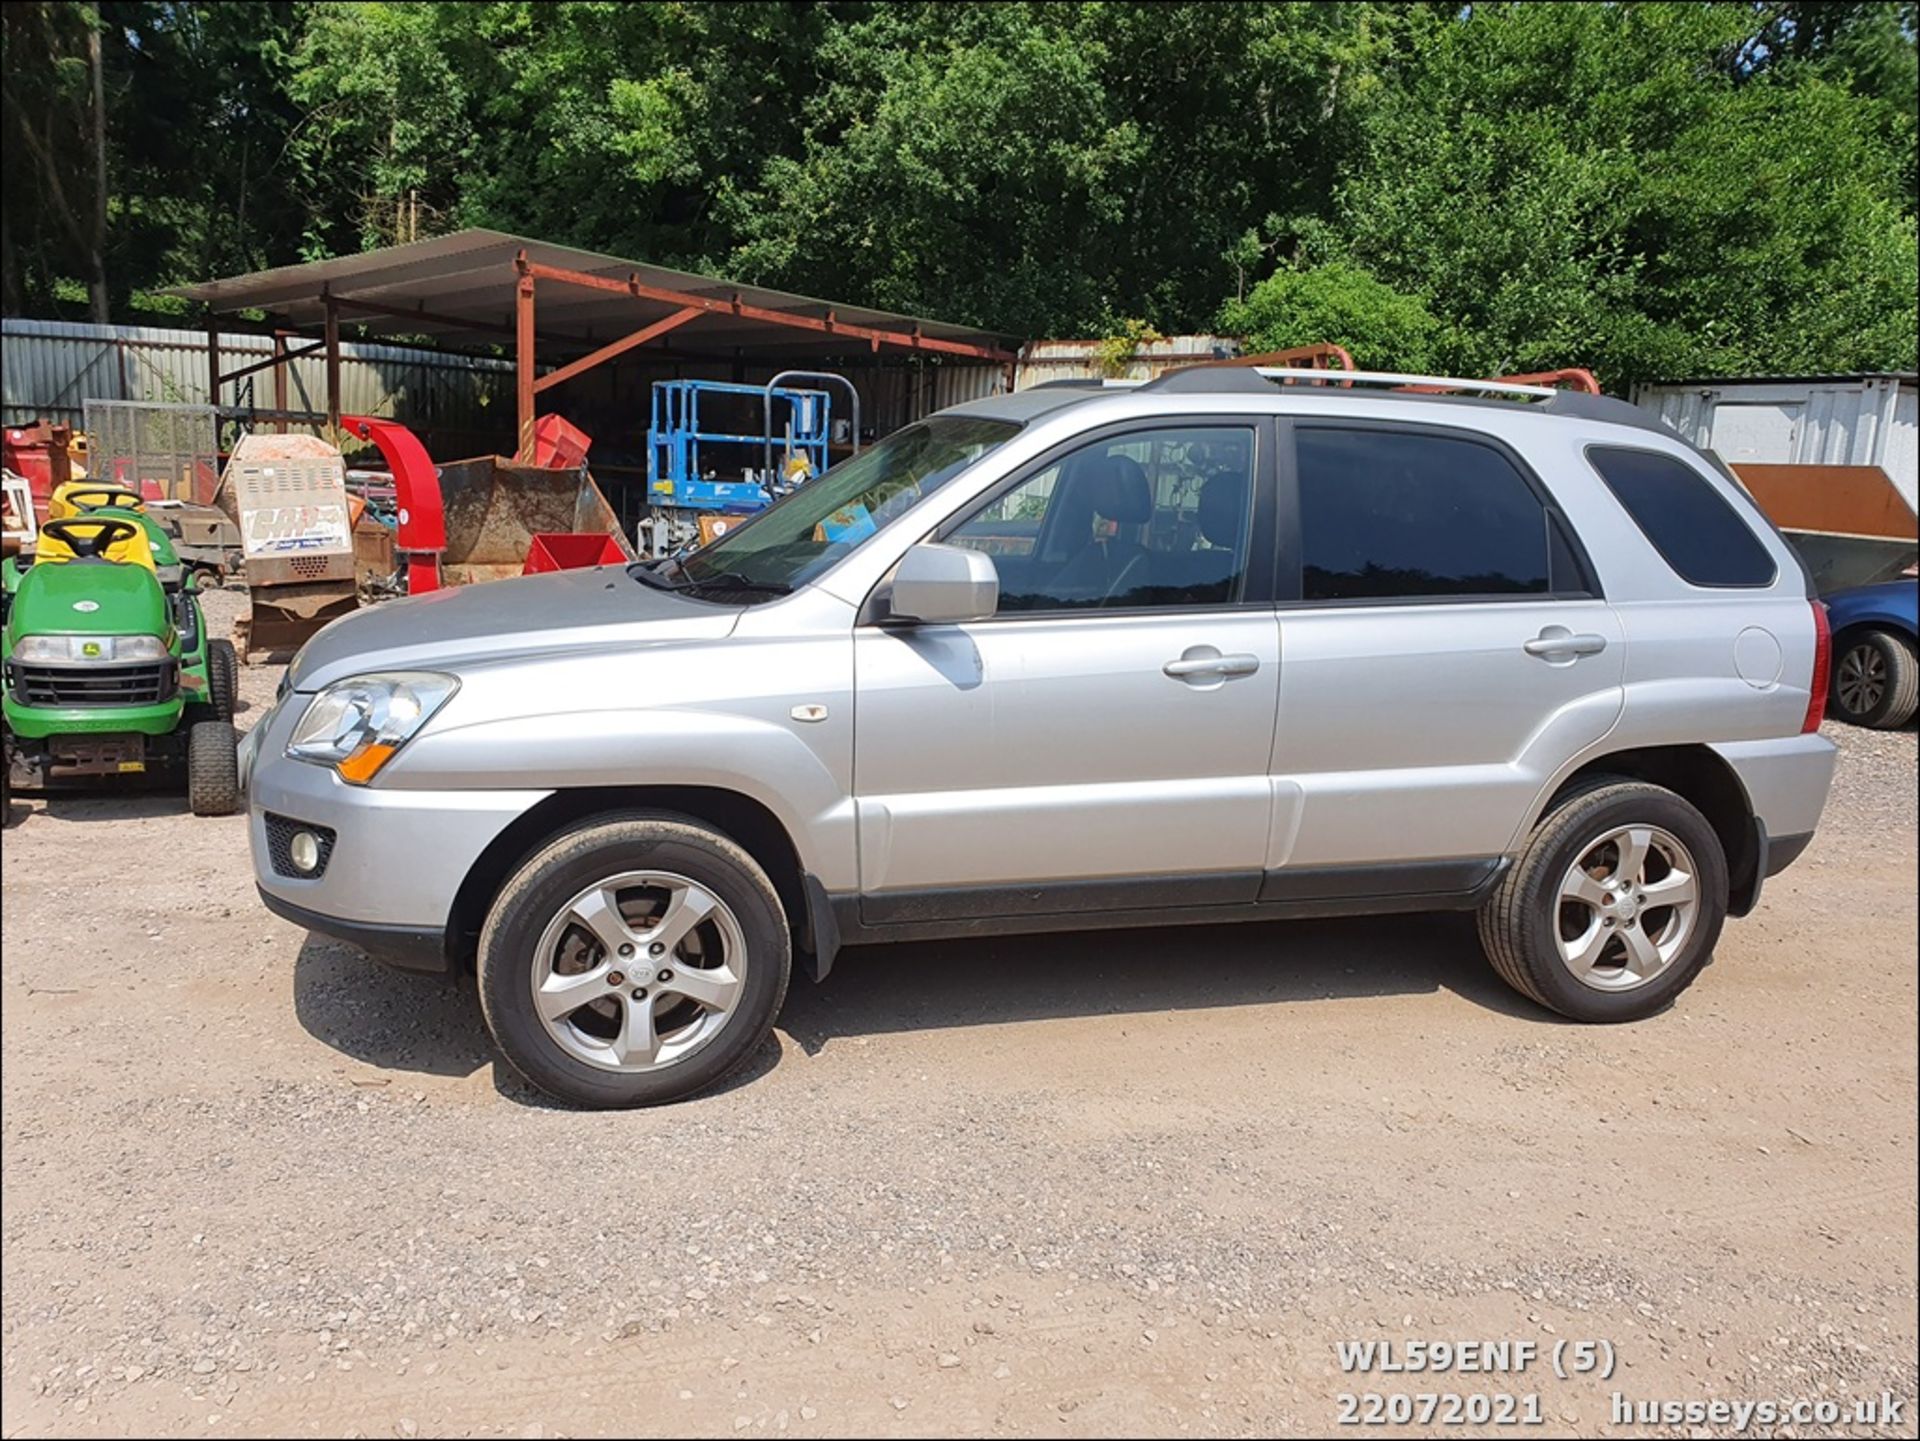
(1556, 642)
(1205, 663)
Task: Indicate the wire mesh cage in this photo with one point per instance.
(164, 451)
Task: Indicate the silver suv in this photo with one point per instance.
(1229, 645)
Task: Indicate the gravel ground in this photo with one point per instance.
(1069, 1185)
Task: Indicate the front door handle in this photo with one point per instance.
(1556, 642)
(1205, 663)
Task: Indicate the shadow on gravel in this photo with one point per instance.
(108, 803)
(431, 1025)
(929, 985)
(385, 1017)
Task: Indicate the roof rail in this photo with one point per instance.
(1199, 379)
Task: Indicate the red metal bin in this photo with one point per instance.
(571, 550)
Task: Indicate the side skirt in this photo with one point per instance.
(1292, 894)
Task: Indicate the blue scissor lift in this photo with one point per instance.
(692, 467)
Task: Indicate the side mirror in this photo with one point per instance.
(943, 585)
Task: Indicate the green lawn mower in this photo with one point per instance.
(109, 672)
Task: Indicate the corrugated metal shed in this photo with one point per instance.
(1044, 360)
(1859, 419)
(459, 288)
(49, 368)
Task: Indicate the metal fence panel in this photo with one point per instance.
(164, 451)
(50, 369)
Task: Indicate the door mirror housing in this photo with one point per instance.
(943, 585)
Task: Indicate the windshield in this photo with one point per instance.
(802, 534)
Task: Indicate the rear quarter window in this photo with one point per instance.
(1703, 538)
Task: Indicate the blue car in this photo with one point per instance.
(1876, 675)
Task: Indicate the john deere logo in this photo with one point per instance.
(86, 605)
(90, 649)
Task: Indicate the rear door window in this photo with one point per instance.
(1387, 514)
(1689, 522)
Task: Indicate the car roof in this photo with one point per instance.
(1022, 406)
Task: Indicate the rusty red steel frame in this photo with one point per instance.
(1305, 357)
(1571, 378)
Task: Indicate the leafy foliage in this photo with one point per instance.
(1340, 303)
(1643, 188)
(1658, 211)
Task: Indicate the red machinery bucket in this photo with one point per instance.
(558, 444)
(571, 550)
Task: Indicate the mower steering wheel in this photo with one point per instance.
(105, 497)
(90, 536)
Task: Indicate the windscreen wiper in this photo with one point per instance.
(644, 572)
(733, 580)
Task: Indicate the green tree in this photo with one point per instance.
(53, 99)
(1609, 186)
(1054, 169)
(1646, 188)
(1339, 303)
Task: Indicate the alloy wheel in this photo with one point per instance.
(1627, 907)
(1861, 679)
(639, 971)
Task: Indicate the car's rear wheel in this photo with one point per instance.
(1612, 907)
(1876, 680)
(633, 960)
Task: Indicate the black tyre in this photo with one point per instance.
(223, 678)
(1613, 905)
(633, 960)
(1876, 679)
(213, 768)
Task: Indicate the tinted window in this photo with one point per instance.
(1395, 514)
(1688, 521)
(1148, 519)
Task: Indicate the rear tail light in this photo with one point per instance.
(1822, 670)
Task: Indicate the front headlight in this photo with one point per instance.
(41, 648)
(140, 647)
(356, 725)
(89, 649)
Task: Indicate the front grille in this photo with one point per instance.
(280, 834)
(103, 685)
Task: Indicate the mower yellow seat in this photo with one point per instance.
(76, 497)
(133, 550)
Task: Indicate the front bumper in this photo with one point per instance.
(398, 856)
(405, 947)
(40, 722)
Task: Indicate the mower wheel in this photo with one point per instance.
(223, 678)
(213, 768)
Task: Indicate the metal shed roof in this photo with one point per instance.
(459, 288)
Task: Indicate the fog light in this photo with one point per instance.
(304, 850)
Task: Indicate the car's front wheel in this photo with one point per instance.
(633, 960)
(1876, 680)
(1613, 905)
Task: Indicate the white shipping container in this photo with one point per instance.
(1813, 420)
